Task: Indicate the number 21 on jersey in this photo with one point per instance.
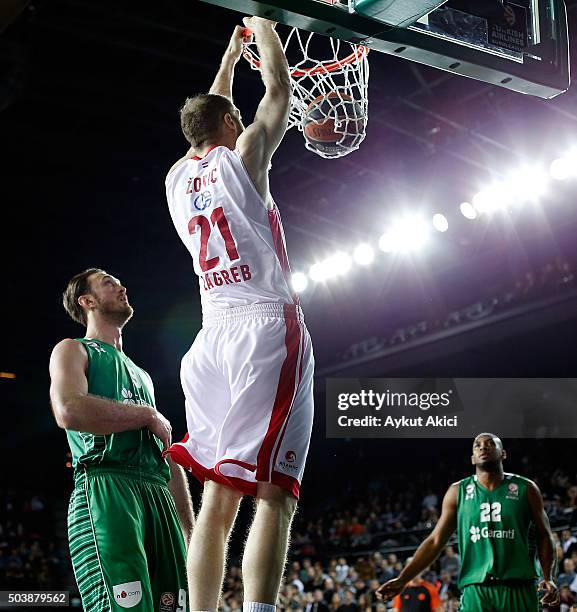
(218, 219)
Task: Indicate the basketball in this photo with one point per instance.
(333, 124)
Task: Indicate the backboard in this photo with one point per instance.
(521, 45)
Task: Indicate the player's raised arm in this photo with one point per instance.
(222, 84)
(76, 410)
(260, 140)
(429, 549)
(545, 545)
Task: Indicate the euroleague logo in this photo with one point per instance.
(289, 462)
(512, 491)
(167, 602)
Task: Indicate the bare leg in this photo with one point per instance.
(207, 550)
(266, 546)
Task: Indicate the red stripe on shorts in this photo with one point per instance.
(298, 382)
(284, 398)
(280, 248)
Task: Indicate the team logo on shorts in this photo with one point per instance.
(167, 602)
(127, 594)
(289, 462)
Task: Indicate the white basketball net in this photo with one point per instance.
(331, 92)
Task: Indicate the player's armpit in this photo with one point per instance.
(269, 125)
(251, 146)
(68, 378)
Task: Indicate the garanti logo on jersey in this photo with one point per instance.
(491, 534)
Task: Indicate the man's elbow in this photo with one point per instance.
(64, 415)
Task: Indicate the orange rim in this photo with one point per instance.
(323, 68)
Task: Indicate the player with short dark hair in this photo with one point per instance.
(248, 376)
(495, 515)
(130, 511)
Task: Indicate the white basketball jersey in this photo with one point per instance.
(237, 245)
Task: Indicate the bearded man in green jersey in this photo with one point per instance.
(498, 517)
(130, 512)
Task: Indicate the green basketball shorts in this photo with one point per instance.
(126, 543)
(512, 597)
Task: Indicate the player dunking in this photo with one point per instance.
(247, 378)
(494, 514)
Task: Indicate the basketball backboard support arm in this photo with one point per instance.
(542, 70)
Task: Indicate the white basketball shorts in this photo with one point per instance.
(248, 385)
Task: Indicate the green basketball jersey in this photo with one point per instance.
(495, 532)
(112, 375)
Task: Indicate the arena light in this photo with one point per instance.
(364, 254)
(342, 262)
(387, 243)
(468, 211)
(407, 234)
(299, 282)
(335, 265)
(482, 201)
(440, 222)
(316, 273)
(561, 169)
(527, 184)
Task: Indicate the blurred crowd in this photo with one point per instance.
(30, 556)
(342, 548)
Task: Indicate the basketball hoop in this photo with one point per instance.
(329, 102)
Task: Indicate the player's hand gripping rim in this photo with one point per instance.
(551, 593)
